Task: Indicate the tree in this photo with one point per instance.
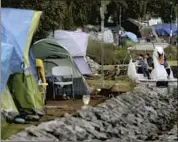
(162, 8)
(58, 14)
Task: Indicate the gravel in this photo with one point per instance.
(144, 114)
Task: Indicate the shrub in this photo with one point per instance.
(171, 52)
(112, 53)
(94, 52)
(115, 55)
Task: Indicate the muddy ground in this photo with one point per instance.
(144, 114)
(56, 109)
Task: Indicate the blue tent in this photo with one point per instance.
(164, 29)
(15, 27)
(131, 36)
(7, 50)
(17, 30)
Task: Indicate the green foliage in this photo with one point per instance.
(94, 51)
(171, 53)
(112, 54)
(59, 14)
(121, 54)
(69, 14)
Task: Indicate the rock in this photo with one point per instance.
(95, 67)
(32, 117)
(134, 116)
(66, 115)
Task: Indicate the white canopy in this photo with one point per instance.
(148, 46)
(75, 42)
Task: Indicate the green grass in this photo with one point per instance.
(172, 62)
(123, 84)
(7, 130)
(108, 67)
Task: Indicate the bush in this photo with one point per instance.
(94, 52)
(112, 54)
(171, 52)
(115, 55)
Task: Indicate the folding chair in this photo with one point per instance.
(64, 72)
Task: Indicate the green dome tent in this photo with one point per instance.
(54, 54)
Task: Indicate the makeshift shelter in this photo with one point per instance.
(53, 55)
(76, 44)
(132, 26)
(164, 29)
(18, 69)
(131, 36)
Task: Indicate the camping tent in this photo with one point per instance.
(8, 107)
(131, 36)
(18, 72)
(54, 54)
(76, 43)
(164, 29)
(132, 26)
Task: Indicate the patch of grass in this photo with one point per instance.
(171, 53)
(108, 67)
(112, 54)
(172, 62)
(7, 130)
(123, 84)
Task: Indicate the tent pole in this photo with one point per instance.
(171, 9)
(177, 60)
(120, 22)
(177, 24)
(53, 30)
(102, 48)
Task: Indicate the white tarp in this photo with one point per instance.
(74, 41)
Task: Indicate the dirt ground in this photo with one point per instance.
(56, 109)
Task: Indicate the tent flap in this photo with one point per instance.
(27, 96)
(82, 65)
(75, 42)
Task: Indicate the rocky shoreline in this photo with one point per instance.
(144, 114)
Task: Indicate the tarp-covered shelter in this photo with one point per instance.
(53, 55)
(133, 26)
(76, 43)
(18, 83)
(164, 29)
(131, 36)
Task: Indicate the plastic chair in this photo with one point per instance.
(62, 71)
